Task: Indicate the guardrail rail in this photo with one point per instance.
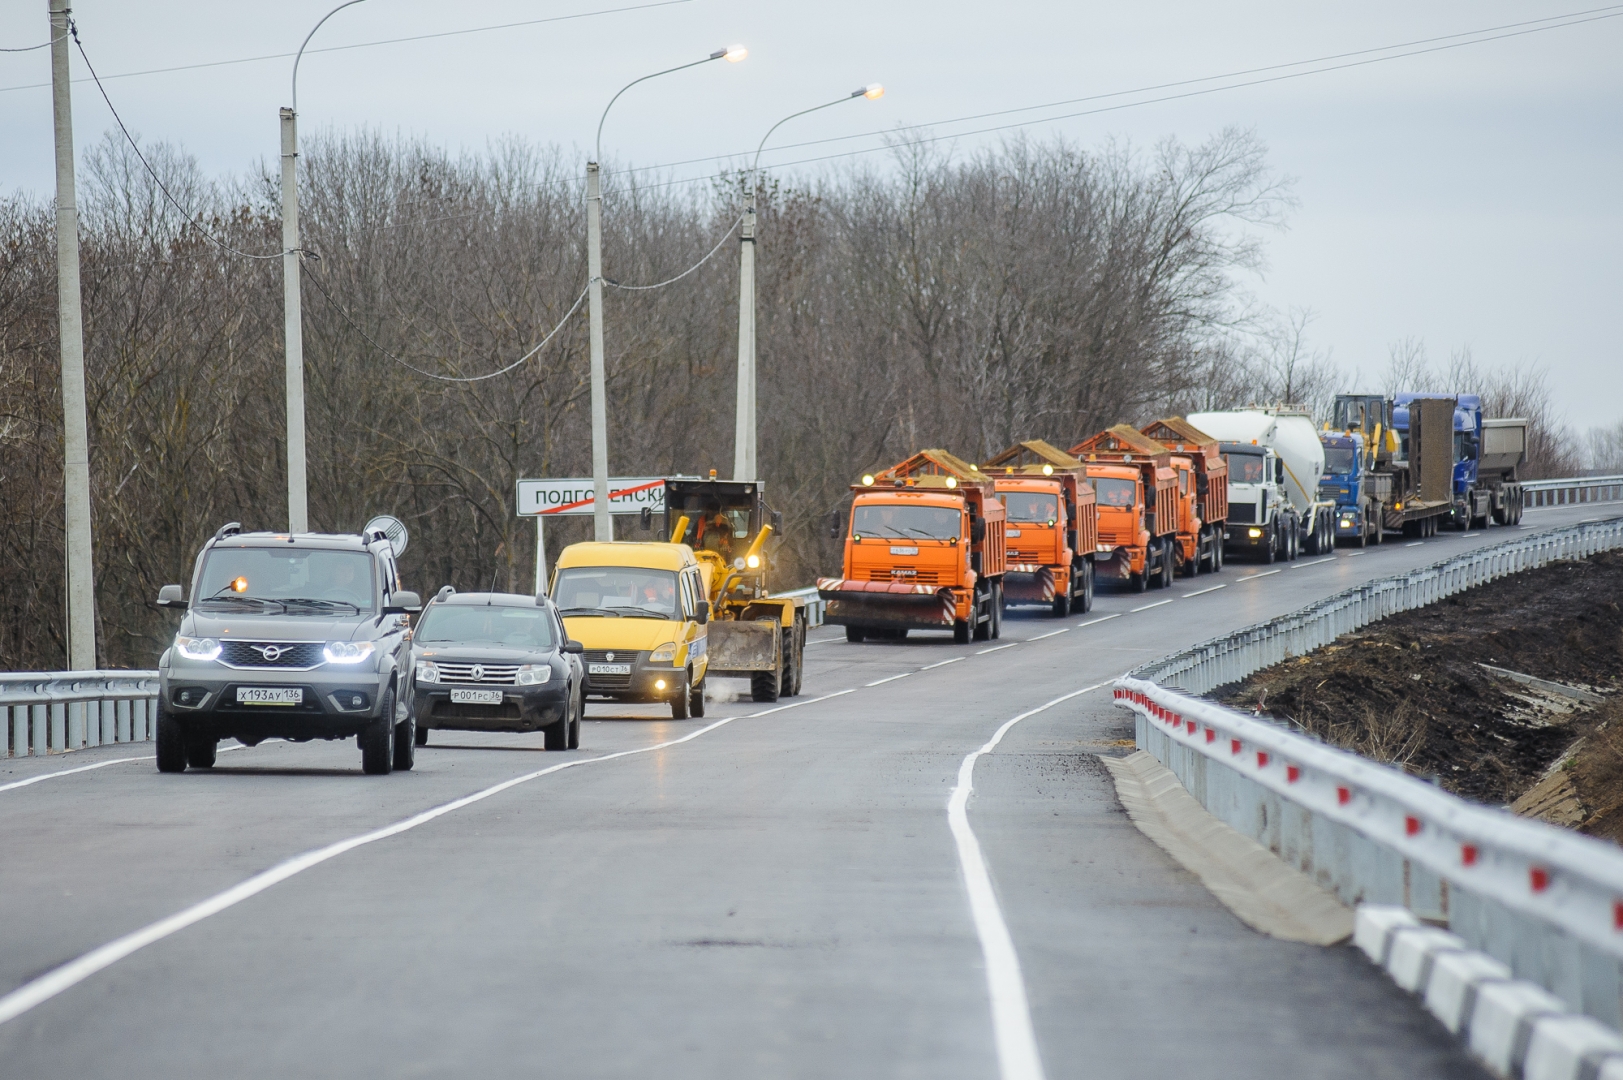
(1571, 490)
(1546, 901)
(48, 712)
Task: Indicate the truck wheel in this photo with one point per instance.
(1270, 549)
(171, 740)
(799, 657)
(377, 740)
(405, 742)
(960, 632)
(1139, 582)
(1062, 605)
(765, 686)
(200, 752)
(1217, 552)
(997, 610)
(982, 606)
(853, 634)
(1087, 587)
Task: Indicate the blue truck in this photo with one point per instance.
(1417, 462)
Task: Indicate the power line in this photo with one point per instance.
(31, 48)
(357, 45)
(670, 281)
(73, 30)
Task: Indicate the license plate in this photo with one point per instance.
(608, 669)
(269, 695)
(904, 550)
(476, 697)
(1011, 532)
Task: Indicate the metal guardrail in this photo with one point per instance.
(48, 712)
(1545, 901)
(1571, 490)
(814, 604)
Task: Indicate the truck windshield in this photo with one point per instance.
(1114, 491)
(485, 624)
(1031, 506)
(287, 578)
(616, 591)
(1246, 468)
(1340, 460)
(918, 522)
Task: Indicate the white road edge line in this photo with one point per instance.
(1355, 554)
(87, 768)
(1265, 573)
(52, 983)
(1095, 622)
(1203, 592)
(995, 648)
(1414, 543)
(1054, 633)
(1313, 562)
(943, 663)
(1147, 607)
(1011, 1014)
(889, 678)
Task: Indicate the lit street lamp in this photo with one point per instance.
(298, 507)
(744, 464)
(602, 523)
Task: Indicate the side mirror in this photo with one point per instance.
(702, 615)
(836, 523)
(403, 602)
(574, 647)
(172, 596)
(647, 518)
(777, 522)
(977, 530)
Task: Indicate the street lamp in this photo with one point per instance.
(298, 507)
(744, 427)
(602, 523)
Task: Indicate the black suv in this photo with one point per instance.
(297, 637)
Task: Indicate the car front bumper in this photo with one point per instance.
(335, 703)
(522, 708)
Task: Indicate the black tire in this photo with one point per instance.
(679, 701)
(799, 667)
(983, 630)
(555, 736)
(1270, 550)
(961, 632)
(405, 742)
(1139, 582)
(421, 735)
(1087, 587)
(1217, 551)
(377, 739)
(695, 700)
(200, 752)
(766, 686)
(1062, 604)
(171, 740)
(854, 635)
(997, 610)
(575, 722)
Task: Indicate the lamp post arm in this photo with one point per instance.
(756, 163)
(680, 67)
(307, 37)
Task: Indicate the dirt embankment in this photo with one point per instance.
(1416, 690)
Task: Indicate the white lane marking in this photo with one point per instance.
(70, 772)
(1203, 592)
(1147, 607)
(1314, 562)
(1054, 633)
(943, 663)
(1096, 622)
(1011, 1015)
(1355, 554)
(1414, 543)
(1265, 573)
(52, 983)
(890, 678)
(823, 640)
(87, 768)
(995, 648)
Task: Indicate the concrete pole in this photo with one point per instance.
(744, 427)
(298, 516)
(81, 592)
(602, 523)
(540, 556)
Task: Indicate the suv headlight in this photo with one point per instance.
(197, 648)
(428, 671)
(664, 654)
(347, 652)
(533, 674)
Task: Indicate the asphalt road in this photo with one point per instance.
(778, 895)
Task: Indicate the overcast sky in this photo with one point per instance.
(1465, 197)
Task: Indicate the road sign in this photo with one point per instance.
(568, 498)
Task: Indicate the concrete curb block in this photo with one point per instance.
(1518, 1029)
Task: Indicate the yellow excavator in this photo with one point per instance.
(752, 634)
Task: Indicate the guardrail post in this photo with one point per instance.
(122, 730)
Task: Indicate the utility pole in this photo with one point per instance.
(298, 516)
(744, 425)
(81, 591)
(602, 523)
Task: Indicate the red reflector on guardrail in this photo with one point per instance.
(1411, 825)
(1539, 878)
(1468, 854)
(1292, 774)
(1262, 759)
(1211, 736)
(1234, 746)
(1343, 795)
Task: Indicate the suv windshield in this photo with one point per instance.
(1031, 506)
(485, 624)
(918, 522)
(299, 580)
(616, 590)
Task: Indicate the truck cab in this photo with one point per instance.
(1052, 527)
(1137, 493)
(1261, 519)
(1486, 454)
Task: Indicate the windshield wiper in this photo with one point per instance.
(643, 613)
(238, 598)
(589, 611)
(308, 601)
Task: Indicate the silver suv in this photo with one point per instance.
(295, 637)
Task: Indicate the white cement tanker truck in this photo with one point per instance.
(1275, 464)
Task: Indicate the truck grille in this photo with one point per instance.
(488, 674)
(922, 577)
(1242, 513)
(287, 655)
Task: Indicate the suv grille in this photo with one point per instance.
(492, 674)
(287, 655)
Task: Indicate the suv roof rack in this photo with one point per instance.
(233, 528)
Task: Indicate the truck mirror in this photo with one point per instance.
(172, 596)
(835, 522)
(701, 615)
(977, 530)
(777, 522)
(1279, 470)
(647, 518)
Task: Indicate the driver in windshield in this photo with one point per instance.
(343, 583)
(658, 595)
(1119, 496)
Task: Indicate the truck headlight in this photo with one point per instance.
(533, 674)
(1253, 533)
(197, 648)
(664, 654)
(753, 562)
(428, 671)
(347, 652)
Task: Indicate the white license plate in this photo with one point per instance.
(904, 550)
(608, 669)
(269, 695)
(476, 697)
(1011, 532)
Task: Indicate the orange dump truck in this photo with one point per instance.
(924, 550)
(1203, 493)
(1136, 488)
(1052, 529)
